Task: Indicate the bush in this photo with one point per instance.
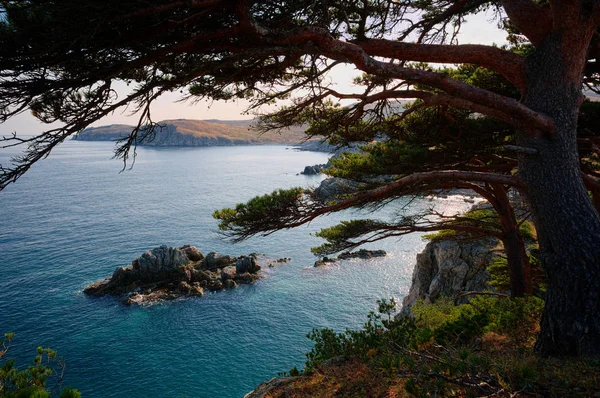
(31, 382)
(439, 347)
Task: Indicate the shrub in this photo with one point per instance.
(441, 346)
(31, 382)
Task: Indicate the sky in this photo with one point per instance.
(478, 29)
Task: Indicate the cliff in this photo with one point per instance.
(197, 133)
(446, 268)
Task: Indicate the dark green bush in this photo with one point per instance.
(31, 381)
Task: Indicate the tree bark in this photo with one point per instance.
(519, 270)
(567, 222)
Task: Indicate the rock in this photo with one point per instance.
(196, 289)
(192, 253)
(324, 261)
(247, 264)
(445, 268)
(332, 187)
(184, 287)
(215, 284)
(166, 273)
(279, 261)
(187, 274)
(313, 170)
(229, 283)
(246, 277)
(228, 273)
(97, 289)
(216, 260)
(363, 254)
(159, 260)
(199, 275)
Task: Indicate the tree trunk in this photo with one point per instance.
(567, 222)
(519, 270)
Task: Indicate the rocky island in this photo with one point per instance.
(166, 273)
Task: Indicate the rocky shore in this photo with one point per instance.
(445, 268)
(166, 273)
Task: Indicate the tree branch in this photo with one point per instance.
(506, 63)
(514, 111)
(388, 190)
(531, 19)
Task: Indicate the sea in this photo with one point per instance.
(75, 217)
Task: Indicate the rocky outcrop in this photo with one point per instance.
(362, 254)
(446, 268)
(314, 170)
(167, 273)
(333, 186)
(325, 261)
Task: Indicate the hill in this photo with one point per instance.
(187, 132)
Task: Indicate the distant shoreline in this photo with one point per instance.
(197, 133)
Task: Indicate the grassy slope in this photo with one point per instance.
(234, 130)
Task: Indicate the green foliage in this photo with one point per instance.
(380, 330)
(31, 381)
(486, 217)
(484, 78)
(262, 213)
(498, 270)
(293, 372)
(482, 314)
(381, 158)
(444, 234)
(435, 348)
(339, 237)
(527, 230)
(70, 393)
(434, 316)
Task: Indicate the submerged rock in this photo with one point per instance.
(363, 254)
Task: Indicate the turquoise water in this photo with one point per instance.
(73, 219)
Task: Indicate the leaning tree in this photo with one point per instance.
(417, 144)
(60, 60)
